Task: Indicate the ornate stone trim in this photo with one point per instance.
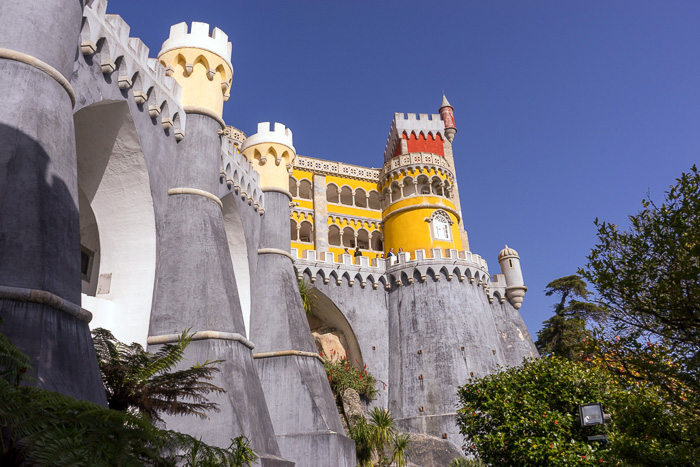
(423, 206)
(45, 298)
(321, 166)
(202, 335)
(286, 353)
(39, 65)
(274, 251)
(196, 191)
(193, 109)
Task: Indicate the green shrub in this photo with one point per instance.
(342, 375)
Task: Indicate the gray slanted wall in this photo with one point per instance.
(442, 332)
(300, 400)
(39, 223)
(196, 289)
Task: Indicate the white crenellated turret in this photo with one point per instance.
(201, 63)
(272, 153)
(279, 134)
(510, 267)
(199, 37)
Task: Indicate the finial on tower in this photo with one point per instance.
(448, 117)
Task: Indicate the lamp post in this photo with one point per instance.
(592, 415)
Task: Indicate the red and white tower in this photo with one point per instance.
(448, 117)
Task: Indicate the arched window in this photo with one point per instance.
(334, 235)
(305, 190)
(306, 233)
(374, 202)
(348, 237)
(395, 192)
(360, 198)
(385, 199)
(363, 239)
(437, 186)
(408, 187)
(332, 193)
(423, 185)
(440, 223)
(376, 242)
(346, 196)
(293, 186)
(293, 229)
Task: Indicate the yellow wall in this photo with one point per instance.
(197, 89)
(301, 246)
(409, 229)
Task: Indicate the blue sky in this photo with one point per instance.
(566, 111)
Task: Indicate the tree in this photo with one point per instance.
(44, 428)
(648, 281)
(564, 333)
(529, 416)
(139, 381)
(374, 438)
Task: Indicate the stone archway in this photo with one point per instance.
(117, 221)
(330, 328)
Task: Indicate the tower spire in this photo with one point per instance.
(448, 117)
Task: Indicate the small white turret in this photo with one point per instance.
(272, 153)
(515, 285)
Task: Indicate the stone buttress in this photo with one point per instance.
(302, 407)
(195, 282)
(39, 227)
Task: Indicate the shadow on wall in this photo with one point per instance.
(39, 245)
(40, 249)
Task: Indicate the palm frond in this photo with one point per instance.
(14, 365)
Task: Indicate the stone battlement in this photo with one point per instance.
(279, 134)
(401, 270)
(200, 38)
(126, 59)
(463, 263)
(411, 123)
(240, 175)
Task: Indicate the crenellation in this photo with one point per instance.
(277, 134)
(136, 71)
(199, 37)
(120, 29)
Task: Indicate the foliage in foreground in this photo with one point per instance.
(138, 381)
(464, 462)
(44, 428)
(306, 296)
(529, 416)
(648, 281)
(377, 440)
(342, 375)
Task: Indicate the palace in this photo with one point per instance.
(127, 202)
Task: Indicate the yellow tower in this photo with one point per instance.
(272, 154)
(417, 184)
(201, 63)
